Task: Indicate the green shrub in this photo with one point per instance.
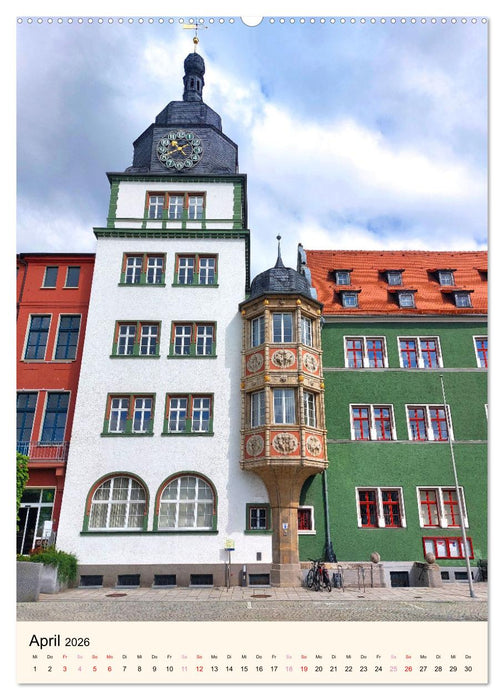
(65, 563)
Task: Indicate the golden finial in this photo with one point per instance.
(193, 25)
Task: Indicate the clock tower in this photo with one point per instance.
(186, 137)
(155, 444)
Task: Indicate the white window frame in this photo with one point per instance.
(148, 332)
(403, 299)
(313, 530)
(127, 332)
(430, 432)
(283, 315)
(379, 504)
(340, 275)
(257, 409)
(459, 296)
(155, 268)
(284, 405)
(475, 340)
(204, 333)
(306, 330)
(155, 206)
(350, 300)
(110, 501)
(257, 327)
(418, 350)
(309, 408)
(372, 424)
(390, 274)
(443, 520)
(196, 501)
(144, 407)
(365, 357)
(175, 206)
(444, 275)
(116, 413)
(135, 268)
(179, 406)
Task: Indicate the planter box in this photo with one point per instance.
(28, 579)
(49, 580)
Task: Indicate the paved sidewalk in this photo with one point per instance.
(448, 592)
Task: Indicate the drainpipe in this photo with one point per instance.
(25, 264)
(330, 556)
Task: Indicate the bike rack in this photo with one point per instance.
(361, 574)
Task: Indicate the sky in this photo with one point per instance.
(353, 135)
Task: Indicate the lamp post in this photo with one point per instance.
(462, 524)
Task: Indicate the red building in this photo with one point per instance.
(52, 304)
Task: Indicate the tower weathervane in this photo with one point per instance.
(193, 25)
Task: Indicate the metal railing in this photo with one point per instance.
(44, 451)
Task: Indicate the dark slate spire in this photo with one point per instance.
(279, 280)
(194, 67)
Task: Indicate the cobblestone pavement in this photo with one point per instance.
(449, 603)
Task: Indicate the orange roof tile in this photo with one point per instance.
(377, 297)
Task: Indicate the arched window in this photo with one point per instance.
(119, 503)
(186, 503)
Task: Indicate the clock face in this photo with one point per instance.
(179, 149)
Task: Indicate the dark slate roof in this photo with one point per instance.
(279, 280)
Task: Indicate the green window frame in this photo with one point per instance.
(129, 415)
(136, 339)
(193, 339)
(188, 414)
(196, 270)
(147, 269)
(258, 519)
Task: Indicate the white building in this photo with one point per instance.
(154, 487)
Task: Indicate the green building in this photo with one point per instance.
(405, 353)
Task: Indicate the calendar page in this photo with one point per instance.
(236, 471)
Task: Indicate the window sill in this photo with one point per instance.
(191, 357)
(120, 435)
(307, 532)
(134, 357)
(258, 532)
(141, 284)
(164, 434)
(177, 284)
(123, 532)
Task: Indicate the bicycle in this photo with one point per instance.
(321, 577)
(310, 577)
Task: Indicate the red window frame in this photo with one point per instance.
(416, 420)
(360, 420)
(428, 501)
(375, 347)
(368, 506)
(355, 352)
(408, 350)
(438, 421)
(429, 351)
(482, 351)
(450, 500)
(305, 519)
(391, 507)
(447, 540)
(383, 423)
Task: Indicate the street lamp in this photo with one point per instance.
(462, 524)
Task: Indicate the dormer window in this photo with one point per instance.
(446, 278)
(394, 277)
(462, 299)
(342, 276)
(406, 300)
(350, 300)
